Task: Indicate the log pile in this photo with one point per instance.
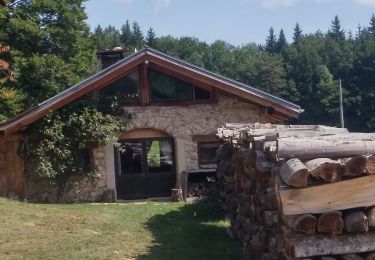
(299, 192)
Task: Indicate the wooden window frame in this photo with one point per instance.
(205, 139)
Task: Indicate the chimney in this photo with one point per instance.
(111, 56)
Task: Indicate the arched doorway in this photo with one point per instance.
(146, 165)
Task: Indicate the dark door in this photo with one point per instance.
(146, 168)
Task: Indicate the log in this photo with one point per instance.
(347, 194)
(325, 168)
(334, 147)
(294, 173)
(370, 164)
(371, 256)
(330, 223)
(351, 257)
(304, 223)
(356, 222)
(371, 217)
(354, 166)
(307, 245)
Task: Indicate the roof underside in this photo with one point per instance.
(282, 108)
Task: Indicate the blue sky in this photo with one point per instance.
(236, 21)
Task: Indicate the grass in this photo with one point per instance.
(151, 230)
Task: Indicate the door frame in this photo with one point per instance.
(145, 171)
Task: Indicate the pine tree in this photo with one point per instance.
(297, 35)
(281, 41)
(126, 34)
(137, 37)
(270, 42)
(336, 32)
(150, 38)
(371, 28)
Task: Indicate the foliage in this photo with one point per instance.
(62, 152)
(10, 103)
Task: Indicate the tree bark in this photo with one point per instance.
(337, 146)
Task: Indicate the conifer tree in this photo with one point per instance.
(270, 41)
(150, 38)
(297, 35)
(137, 36)
(281, 41)
(126, 34)
(336, 32)
(371, 28)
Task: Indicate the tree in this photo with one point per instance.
(150, 38)
(281, 41)
(270, 41)
(297, 35)
(52, 48)
(106, 39)
(371, 28)
(137, 39)
(126, 34)
(336, 32)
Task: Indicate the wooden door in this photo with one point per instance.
(146, 168)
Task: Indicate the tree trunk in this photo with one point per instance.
(335, 147)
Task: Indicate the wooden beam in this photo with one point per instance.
(145, 88)
(353, 193)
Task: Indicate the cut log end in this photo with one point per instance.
(330, 223)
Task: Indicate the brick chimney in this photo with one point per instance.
(111, 56)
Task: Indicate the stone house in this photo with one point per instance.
(173, 109)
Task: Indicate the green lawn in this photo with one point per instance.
(152, 230)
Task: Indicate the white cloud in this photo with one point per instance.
(277, 3)
(366, 2)
(160, 4)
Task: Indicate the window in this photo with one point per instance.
(125, 90)
(166, 88)
(132, 158)
(159, 155)
(201, 93)
(207, 154)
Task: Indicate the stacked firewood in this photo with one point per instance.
(297, 192)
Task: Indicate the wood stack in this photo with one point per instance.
(294, 192)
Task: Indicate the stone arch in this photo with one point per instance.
(138, 133)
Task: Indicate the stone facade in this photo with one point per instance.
(183, 122)
(180, 122)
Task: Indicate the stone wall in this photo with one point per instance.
(80, 189)
(183, 122)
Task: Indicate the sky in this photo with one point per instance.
(237, 21)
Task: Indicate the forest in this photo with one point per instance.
(52, 48)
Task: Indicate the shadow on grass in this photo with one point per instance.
(195, 231)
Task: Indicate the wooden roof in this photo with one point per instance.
(282, 108)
